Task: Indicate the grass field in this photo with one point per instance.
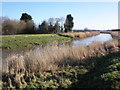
(27, 41)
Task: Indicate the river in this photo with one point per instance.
(86, 41)
(101, 38)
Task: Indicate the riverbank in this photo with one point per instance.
(28, 41)
(103, 74)
(92, 66)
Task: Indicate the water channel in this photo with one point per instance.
(101, 38)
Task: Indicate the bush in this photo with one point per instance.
(12, 26)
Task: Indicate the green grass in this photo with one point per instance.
(105, 74)
(24, 35)
(28, 41)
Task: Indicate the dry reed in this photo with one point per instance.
(53, 57)
(80, 35)
(113, 33)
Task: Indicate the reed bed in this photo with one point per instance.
(113, 33)
(55, 57)
(79, 35)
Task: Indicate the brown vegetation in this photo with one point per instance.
(10, 27)
(22, 71)
(79, 34)
(113, 33)
(53, 57)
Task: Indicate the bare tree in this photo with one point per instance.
(12, 26)
(51, 21)
(62, 20)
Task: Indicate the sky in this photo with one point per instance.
(91, 15)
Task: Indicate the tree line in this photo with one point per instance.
(27, 26)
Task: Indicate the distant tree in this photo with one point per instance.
(51, 28)
(68, 23)
(12, 26)
(9, 26)
(57, 20)
(57, 28)
(61, 29)
(51, 21)
(21, 26)
(43, 28)
(26, 17)
(30, 27)
(62, 19)
(52, 25)
(86, 29)
(0, 25)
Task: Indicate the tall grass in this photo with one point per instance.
(113, 33)
(80, 35)
(55, 57)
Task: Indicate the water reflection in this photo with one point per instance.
(99, 38)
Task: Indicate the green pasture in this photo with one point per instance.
(28, 41)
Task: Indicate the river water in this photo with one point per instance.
(101, 38)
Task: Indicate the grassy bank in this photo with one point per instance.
(43, 59)
(66, 67)
(27, 41)
(104, 74)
